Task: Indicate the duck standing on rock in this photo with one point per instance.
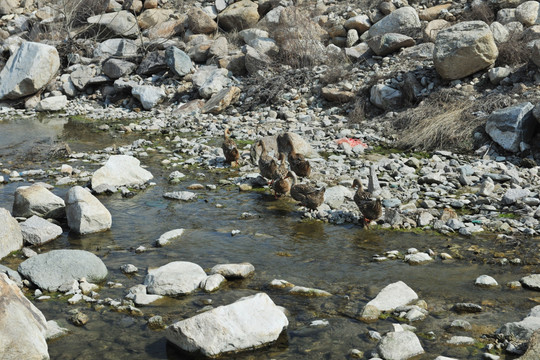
(268, 166)
(229, 149)
(305, 194)
(297, 162)
(370, 209)
(280, 184)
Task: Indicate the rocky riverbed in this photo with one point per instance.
(121, 221)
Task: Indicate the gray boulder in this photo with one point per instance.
(52, 103)
(120, 170)
(27, 71)
(148, 95)
(13, 275)
(82, 75)
(22, 325)
(402, 21)
(210, 80)
(10, 233)
(58, 269)
(238, 16)
(511, 126)
(386, 44)
(178, 61)
(385, 97)
(175, 278)
(85, 213)
(248, 323)
(528, 13)
(255, 60)
(38, 231)
(116, 47)
(120, 23)
(464, 49)
(37, 200)
(531, 281)
(400, 345)
(116, 68)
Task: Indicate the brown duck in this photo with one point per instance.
(268, 166)
(305, 194)
(281, 184)
(370, 209)
(299, 164)
(229, 149)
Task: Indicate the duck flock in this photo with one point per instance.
(283, 173)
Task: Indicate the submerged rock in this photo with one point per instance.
(58, 269)
(248, 323)
(22, 325)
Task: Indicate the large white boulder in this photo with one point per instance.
(400, 345)
(120, 170)
(85, 213)
(38, 231)
(174, 278)
(10, 233)
(464, 49)
(248, 323)
(32, 67)
(389, 298)
(57, 269)
(22, 325)
(37, 200)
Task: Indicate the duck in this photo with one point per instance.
(297, 162)
(307, 195)
(268, 166)
(370, 209)
(280, 183)
(230, 150)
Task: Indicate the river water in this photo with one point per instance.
(335, 258)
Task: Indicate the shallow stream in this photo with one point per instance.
(335, 258)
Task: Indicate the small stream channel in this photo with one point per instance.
(335, 258)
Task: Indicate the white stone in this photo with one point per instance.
(37, 231)
(22, 325)
(392, 296)
(85, 213)
(166, 238)
(212, 282)
(248, 323)
(54, 331)
(485, 281)
(400, 345)
(139, 296)
(121, 170)
(37, 200)
(148, 95)
(52, 103)
(418, 258)
(233, 270)
(11, 238)
(174, 278)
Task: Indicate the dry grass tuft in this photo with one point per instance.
(445, 120)
(513, 52)
(480, 11)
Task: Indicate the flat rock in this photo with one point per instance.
(230, 271)
(180, 195)
(531, 281)
(121, 170)
(11, 238)
(248, 323)
(306, 291)
(418, 258)
(139, 295)
(58, 268)
(38, 231)
(175, 278)
(85, 213)
(22, 325)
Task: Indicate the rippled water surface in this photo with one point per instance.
(335, 258)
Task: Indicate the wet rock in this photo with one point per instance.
(175, 278)
(37, 231)
(467, 308)
(511, 126)
(11, 238)
(418, 258)
(212, 282)
(166, 238)
(231, 271)
(523, 329)
(54, 331)
(178, 61)
(37, 200)
(389, 298)
(121, 23)
(58, 268)
(400, 345)
(156, 322)
(27, 71)
(52, 103)
(180, 195)
(470, 40)
(129, 269)
(22, 325)
(120, 170)
(460, 340)
(85, 213)
(305, 291)
(148, 95)
(486, 281)
(531, 281)
(248, 323)
(79, 318)
(139, 295)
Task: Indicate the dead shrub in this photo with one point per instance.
(301, 40)
(446, 119)
(357, 115)
(513, 52)
(480, 11)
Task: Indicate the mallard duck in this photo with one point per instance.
(305, 194)
(268, 166)
(229, 149)
(299, 164)
(370, 209)
(280, 184)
